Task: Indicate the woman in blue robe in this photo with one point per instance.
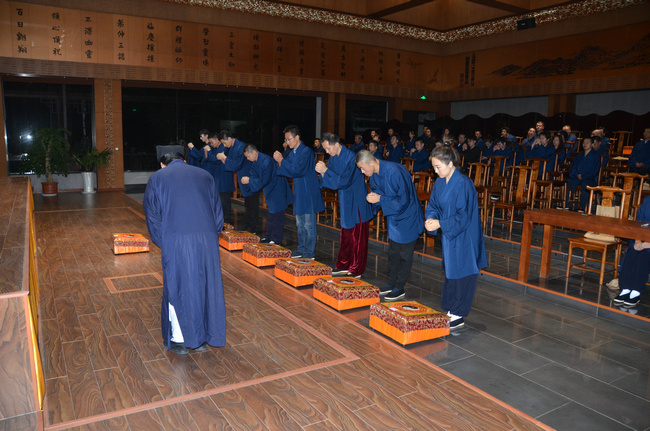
(635, 266)
(453, 208)
(184, 218)
(584, 172)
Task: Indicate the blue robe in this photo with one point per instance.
(421, 162)
(264, 175)
(395, 154)
(236, 162)
(455, 204)
(355, 148)
(399, 202)
(410, 144)
(195, 156)
(640, 154)
(508, 154)
(588, 166)
(299, 165)
(604, 155)
(342, 175)
(224, 179)
(184, 218)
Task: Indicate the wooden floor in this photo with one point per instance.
(289, 362)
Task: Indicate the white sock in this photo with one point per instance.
(177, 334)
(634, 294)
(624, 292)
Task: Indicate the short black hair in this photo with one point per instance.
(225, 134)
(293, 129)
(166, 159)
(331, 138)
(204, 132)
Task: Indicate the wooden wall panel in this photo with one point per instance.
(4, 167)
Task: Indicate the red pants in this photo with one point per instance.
(353, 253)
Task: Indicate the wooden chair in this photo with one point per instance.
(603, 246)
(516, 196)
(408, 163)
(633, 184)
(331, 200)
(320, 157)
(423, 182)
(479, 173)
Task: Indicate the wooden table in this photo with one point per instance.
(551, 218)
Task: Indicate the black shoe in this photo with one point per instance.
(178, 348)
(338, 271)
(631, 302)
(387, 288)
(265, 241)
(395, 294)
(456, 323)
(621, 298)
(349, 274)
(296, 255)
(202, 348)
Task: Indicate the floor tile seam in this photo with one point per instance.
(600, 381)
(302, 324)
(192, 396)
(421, 360)
(597, 412)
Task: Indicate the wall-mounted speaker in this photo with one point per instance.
(527, 23)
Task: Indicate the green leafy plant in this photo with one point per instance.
(88, 159)
(48, 154)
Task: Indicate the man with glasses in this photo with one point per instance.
(299, 165)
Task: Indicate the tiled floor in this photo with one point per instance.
(567, 368)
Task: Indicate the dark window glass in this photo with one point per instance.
(154, 116)
(31, 106)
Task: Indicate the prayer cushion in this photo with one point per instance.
(343, 293)
(264, 254)
(300, 272)
(235, 239)
(129, 243)
(408, 321)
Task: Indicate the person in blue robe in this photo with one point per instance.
(639, 161)
(341, 174)
(376, 152)
(507, 136)
(358, 143)
(559, 153)
(299, 165)
(602, 152)
(184, 218)
(410, 142)
(542, 149)
(236, 162)
(635, 266)
(225, 181)
(500, 149)
(480, 143)
(263, 175)
(530, 138)
(195, 155)
(453, 209)
(395, 150)
(584, 172)
(421, 156)
(392, 191)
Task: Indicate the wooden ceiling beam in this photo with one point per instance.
(398, 8)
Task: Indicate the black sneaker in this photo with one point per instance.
(265, 241)
(338, 271)
(296, 255)
(349, 274)
(456, 323)
(178, 348)
(395, 294)
(387, 288)
(621, 298)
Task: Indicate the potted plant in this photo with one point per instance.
(48, 154)
(88, 160)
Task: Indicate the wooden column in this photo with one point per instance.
(340, 117)
(4, 161)
(559, 103)
(108, 132)
(329, 113)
